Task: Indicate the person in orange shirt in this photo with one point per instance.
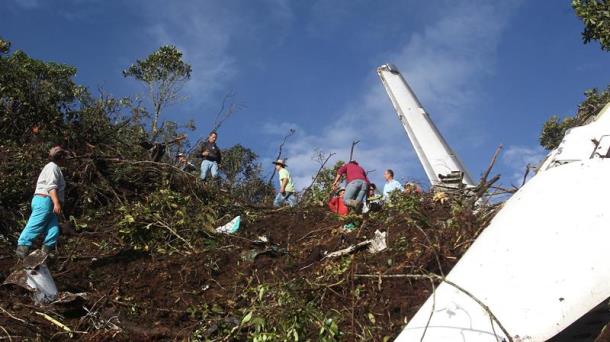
(337, 205)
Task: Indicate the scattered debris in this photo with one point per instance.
(374, 245)
(36, 278)
(349, 227)
(271, 269)
(230, 228)
(378, 243)
(273, 251)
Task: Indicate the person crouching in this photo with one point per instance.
(357, 184)
(337, 205)
(46, 205)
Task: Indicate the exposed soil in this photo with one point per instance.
(136, 296)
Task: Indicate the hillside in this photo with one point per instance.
(237, 287)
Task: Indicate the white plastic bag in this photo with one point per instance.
(230, 228)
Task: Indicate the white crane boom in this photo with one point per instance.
(440, 163)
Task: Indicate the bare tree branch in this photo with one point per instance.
(351, 153)
(279, 153)
(491, 165)
(226, 110)
(323, 164)
(485, 184)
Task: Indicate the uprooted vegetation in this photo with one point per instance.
(139, 234)
(270, 281)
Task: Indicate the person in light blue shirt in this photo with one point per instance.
(390, 184)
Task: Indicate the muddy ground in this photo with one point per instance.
(206, 295)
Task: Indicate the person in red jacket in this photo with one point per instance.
(357, 184)
(336, 204)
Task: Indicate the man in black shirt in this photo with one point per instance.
(211, 156)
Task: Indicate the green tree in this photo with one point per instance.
(243, 174)
(36, 97)
(320, 190)
(238, 164)
(164, 74)
(595, 15)
(555, 128)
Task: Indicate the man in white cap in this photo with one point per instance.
(46, 205)
(184, 164)
(287, 191)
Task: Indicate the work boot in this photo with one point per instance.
(48, 250)
(352, 203)
(22, 251)
(359, 206)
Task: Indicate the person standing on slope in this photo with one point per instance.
(391, 184)
(46, 205)
(211, 156)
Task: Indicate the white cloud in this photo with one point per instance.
(517, 158)
(203, 33)
(443, 62)
(28, 4)
(207, 32)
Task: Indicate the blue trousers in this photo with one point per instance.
(289, 197)
(42, 221)
(355, 190)
(208, 166)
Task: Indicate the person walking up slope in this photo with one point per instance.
(46, 205)
(287, 190)
(357, 184)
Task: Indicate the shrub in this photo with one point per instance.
(165, 221)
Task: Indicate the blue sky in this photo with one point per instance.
(488, 72)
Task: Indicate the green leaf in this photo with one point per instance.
(246, 318)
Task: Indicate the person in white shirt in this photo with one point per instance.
(390, 184)
(46, 205)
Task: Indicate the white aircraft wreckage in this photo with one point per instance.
(541, 270)
(34, 276)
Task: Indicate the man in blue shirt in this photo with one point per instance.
(390, 184)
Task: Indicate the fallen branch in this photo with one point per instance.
(443, 279)
(163, 225)
(431, 245)
(376, 244)
(13, 317)
(56, 322)
(7, 334)
(431, 311)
